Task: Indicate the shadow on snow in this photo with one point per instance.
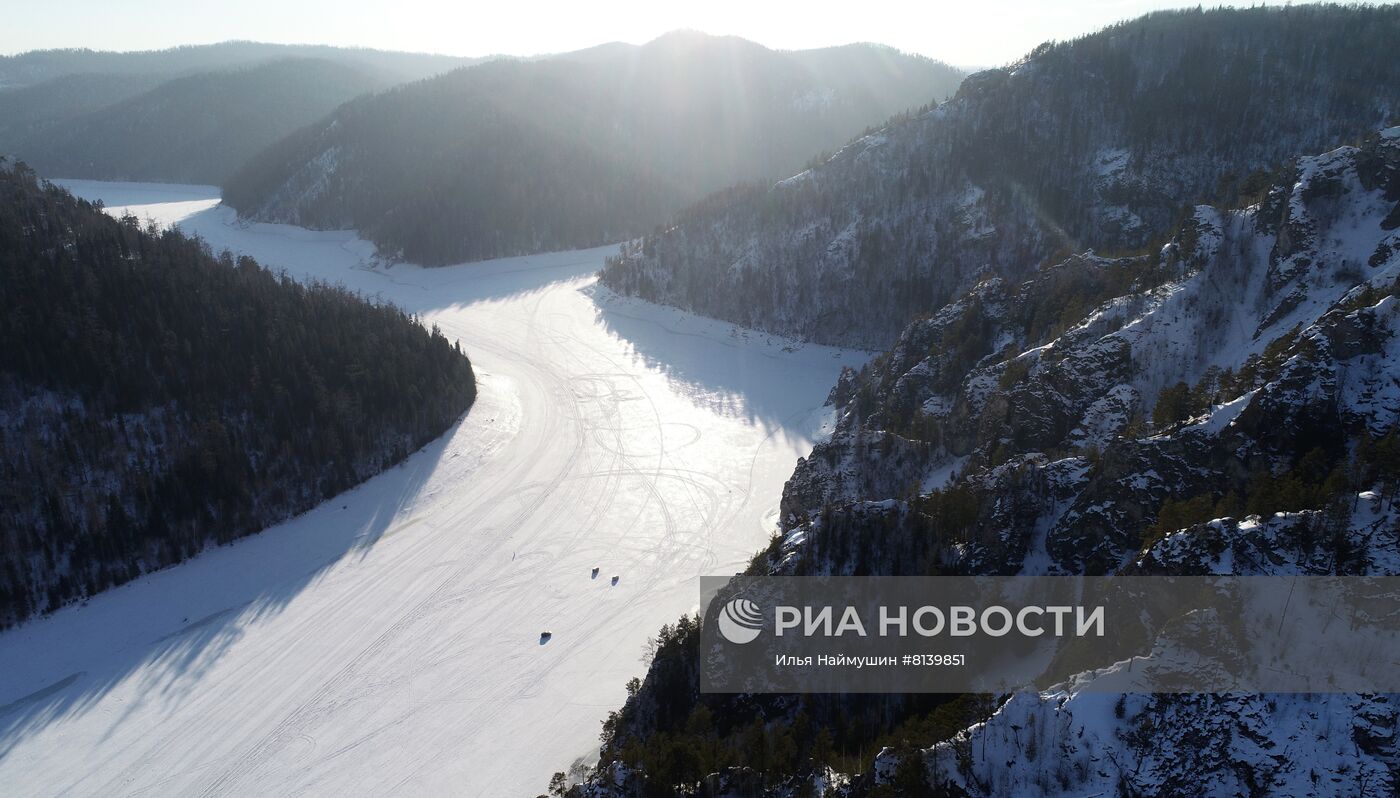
(194, 611)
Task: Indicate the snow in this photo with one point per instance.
(970, 198)
(800, 177)
(1111, 161)
(1106, 417)
(159, 202)
(1369, 385)
(1239, 295)
(388, 641)
(1224, 745)
(939, 477)
(1223, 415)
(1122, 216)
(871, 146)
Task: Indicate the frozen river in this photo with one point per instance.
(388, 641)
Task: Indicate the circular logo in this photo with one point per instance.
(740, 621)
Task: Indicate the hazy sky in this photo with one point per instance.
(969, 32)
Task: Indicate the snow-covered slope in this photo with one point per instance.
(1264, 312)
(1226, 404)
(1076, 744)
(389, 641)
(1083, 738)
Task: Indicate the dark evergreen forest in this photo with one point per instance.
(157, 398)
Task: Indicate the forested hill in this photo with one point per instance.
(574, 150)
(196, 129)
(156, 398)
(1099, 143)
(28, 111)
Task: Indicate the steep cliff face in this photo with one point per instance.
(1226, 745)
(1252, 338)
(1227, 403)
(1096, 143)
(1076, 741)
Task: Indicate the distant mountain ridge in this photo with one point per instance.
(37, 66)
(31, 111)
(187, 114)
(579, 149)
(199, 128)
(1102, 142)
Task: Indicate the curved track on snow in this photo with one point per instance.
(389, 641)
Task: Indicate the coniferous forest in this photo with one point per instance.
(157, 398)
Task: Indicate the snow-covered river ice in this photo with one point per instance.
(389, 641)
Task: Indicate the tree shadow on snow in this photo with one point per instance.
(749, 375)
(168, 627)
